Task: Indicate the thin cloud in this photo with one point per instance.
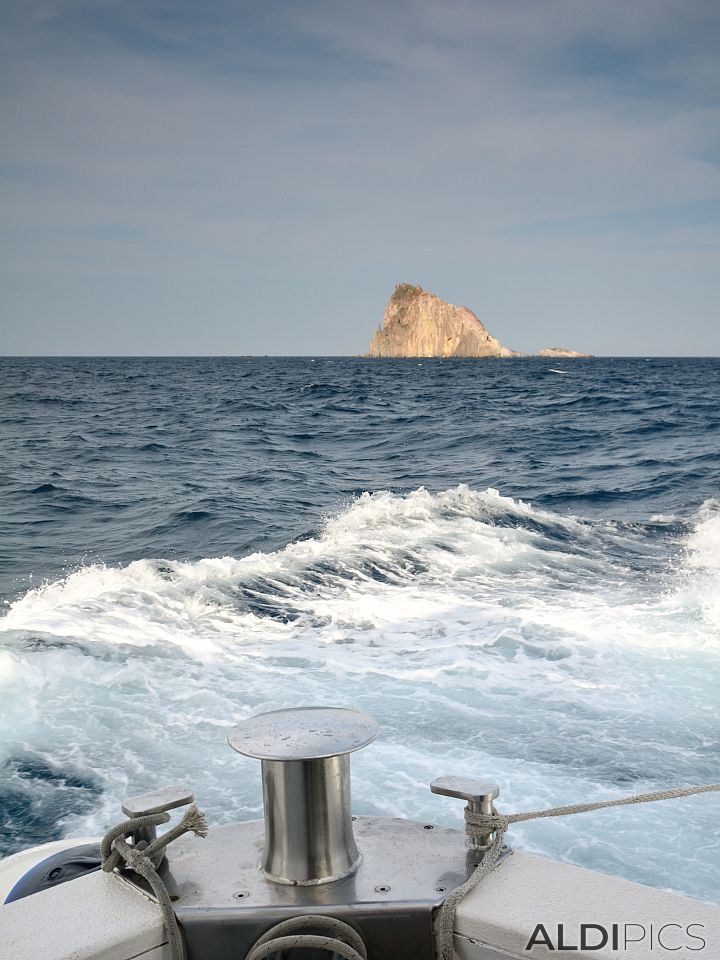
(163, 159)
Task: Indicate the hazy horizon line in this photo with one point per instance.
(338, 356)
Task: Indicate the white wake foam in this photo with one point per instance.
(487, 636)
(703, 560)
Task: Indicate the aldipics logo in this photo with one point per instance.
(668, 937)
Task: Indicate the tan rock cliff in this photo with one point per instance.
(419, 324)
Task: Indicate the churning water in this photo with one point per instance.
(513, 565)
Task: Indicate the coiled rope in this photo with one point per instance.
(343, 941)
(145, 857)
(480, 824)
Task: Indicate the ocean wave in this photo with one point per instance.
(485, 634)
(404, 557)
(703, 563)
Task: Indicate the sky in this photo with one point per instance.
(234, 177)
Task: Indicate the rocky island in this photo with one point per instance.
(561, 352)
(419, 324)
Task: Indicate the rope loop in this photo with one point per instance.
(477, 824)
(117, 852)
(341, 940)
(483, 824)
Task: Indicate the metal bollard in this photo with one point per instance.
(479, 795)
(306, 789)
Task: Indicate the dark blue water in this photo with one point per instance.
(513, 564)
(117, 459)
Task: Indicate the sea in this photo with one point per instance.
(512, 565)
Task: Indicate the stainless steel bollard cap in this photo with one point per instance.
(303, 733)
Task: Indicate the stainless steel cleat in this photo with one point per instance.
(479, 795)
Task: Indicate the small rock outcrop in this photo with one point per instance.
(419, 324)
(561, 352)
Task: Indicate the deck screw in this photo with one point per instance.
(241, 895)
(382, 888)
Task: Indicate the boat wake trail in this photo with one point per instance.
(487, 636)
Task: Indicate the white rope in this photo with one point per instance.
(481, 824)
(343, 940)
(145, 857)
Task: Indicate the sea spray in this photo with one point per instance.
(487, 636)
